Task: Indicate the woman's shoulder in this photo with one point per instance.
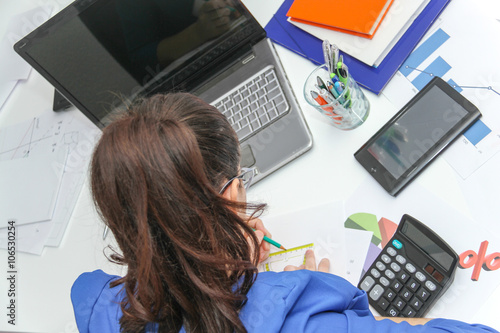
(286, 301)
(91, 285)
(95, 302)
(94, 278)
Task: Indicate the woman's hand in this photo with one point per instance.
(260, 232)
(323, 266)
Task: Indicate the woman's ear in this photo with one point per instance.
(231, 192)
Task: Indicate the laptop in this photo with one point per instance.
(100, 53)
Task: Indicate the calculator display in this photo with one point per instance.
(427, 245)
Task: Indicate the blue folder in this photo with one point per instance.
(372, 78)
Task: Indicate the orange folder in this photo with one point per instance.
(358, 17)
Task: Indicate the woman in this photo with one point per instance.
(166, 180)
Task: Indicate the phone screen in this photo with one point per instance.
(418, 130)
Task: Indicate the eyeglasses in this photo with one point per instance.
(246, 175)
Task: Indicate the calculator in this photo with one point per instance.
(412, 271)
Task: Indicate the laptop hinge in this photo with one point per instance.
(248, 59)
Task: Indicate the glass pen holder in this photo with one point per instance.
(343, 103)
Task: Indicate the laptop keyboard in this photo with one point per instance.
(254, 104)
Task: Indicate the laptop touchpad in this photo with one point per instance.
(247, 158)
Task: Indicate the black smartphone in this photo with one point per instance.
(408, 142)
(413, 270)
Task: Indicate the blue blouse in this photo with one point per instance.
(298, 301)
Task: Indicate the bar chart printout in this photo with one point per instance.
(436, 56)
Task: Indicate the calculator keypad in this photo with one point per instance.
(395, 287)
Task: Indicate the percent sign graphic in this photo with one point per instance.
(480, 260)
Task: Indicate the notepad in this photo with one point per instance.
(358, 17)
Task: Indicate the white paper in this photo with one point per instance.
(6, 89)
(398, 19)
(357, 245)
(30, 188)
(12, 67)
(45, 136)
(80, 136)
(30, 238)
(35, 137)
(321, 225)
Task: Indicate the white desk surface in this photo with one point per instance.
(44, 281)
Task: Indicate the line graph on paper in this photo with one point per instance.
(35, 136)
(450, 52)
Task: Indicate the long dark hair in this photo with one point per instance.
(155, 177)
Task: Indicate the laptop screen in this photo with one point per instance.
(103, 52)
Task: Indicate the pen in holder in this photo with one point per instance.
(338, 96)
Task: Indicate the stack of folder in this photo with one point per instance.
(361, 17)
(373, 58)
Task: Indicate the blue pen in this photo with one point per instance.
(339, 88)
(334, 78)
(332, 90)
(345, 100)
